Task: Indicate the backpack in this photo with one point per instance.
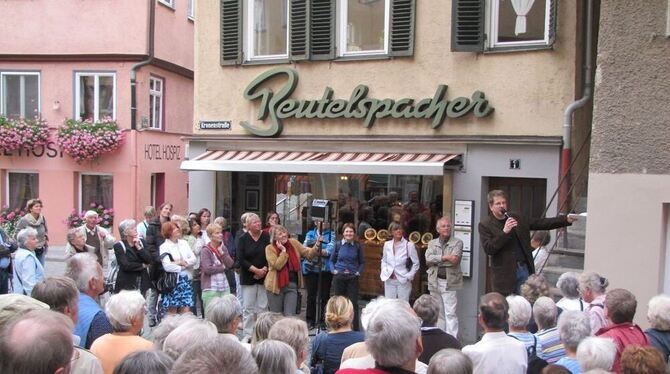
(535, 364)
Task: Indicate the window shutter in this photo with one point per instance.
(299, 32)
(322, 29)
(552, 22)
(402, 27)
(467, 25)
(231, 32)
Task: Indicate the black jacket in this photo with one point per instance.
(154, 238)
(132, 274)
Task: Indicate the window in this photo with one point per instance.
(267, 31)
(21, 187)
(96, 189)
(156, 103)
(20, 95)
(95, 95)
(190, 9)
(169, 3)
(363, 27)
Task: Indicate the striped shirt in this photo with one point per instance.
(552, 348)
(528, 340)
(570, 364)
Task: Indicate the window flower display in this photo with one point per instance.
(87, 140)
(22, 133)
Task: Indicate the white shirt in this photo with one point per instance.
(179, 251)
(540, 256)
(498, 353)
(572, 304)
(396, 262)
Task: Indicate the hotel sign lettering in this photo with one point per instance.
(279, 105)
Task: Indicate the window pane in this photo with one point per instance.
(508, 20)
(32, 100)
(365, 25)
(22, 187)
(106, 97)
(270, 32)
(96, 189)
(11, 88)
(86, 97)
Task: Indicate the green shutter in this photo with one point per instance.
(467, 25)
(402, 27)
(231, 32)
(299, 31)
(552, 22)
(322, 29)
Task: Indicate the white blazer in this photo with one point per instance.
(396, 262)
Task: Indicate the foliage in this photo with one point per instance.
(105, 216)
(9, 218)
(87, 140)
(22, 133)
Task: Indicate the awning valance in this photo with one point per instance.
(320, 162)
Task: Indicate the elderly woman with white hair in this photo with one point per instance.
(573, 327)
(545, 314)
(133, 259)
(274, 357)
(450, 361)
(568, 283)
(125, 312)
(596, 353)
(192, 332)
(28, 269)
(226, 314)
(659, 319)
(593, 287)
(519, 316)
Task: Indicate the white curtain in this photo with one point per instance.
(521, 7)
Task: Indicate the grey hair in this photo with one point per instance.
(371, 309)
(252, 216)
(659, 312)
(392, 333)
(124, 307)
(125, 225)
(90, 213)
(573, 327)
(264, 322)
(569, 285)
(596, 353)
(220, 354)
(188, 334)
(71, 234)
(222, 311)
(154, 362)
(293, 332)
(519, 311)
(24, 234)
(82, 267)
(149, 211)
(442, 219)
(545, 312)
(594, 282)
(274, 356)
(167, 325)
(427, 307)
(244, 217)
(450, 361)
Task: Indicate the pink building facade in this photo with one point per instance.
(130, 60)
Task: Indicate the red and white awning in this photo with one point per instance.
(320, 162)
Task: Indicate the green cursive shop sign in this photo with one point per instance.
(279, 105)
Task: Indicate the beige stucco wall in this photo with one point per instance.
(529, 90)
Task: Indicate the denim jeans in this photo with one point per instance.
(521, 276)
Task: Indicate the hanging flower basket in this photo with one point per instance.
(105, 216)
(88, 140)
(22, 133)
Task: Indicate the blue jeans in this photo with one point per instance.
(521, 276)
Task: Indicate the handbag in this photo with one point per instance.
(408, 262)
(167, 281)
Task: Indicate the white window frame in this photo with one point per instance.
(22, 91)
(168, 3)
(493, 7)
(190, 9)
(342, 12)
(96, 93)
(16, 172)
(250, 34)
(81, 187)
(153, 96)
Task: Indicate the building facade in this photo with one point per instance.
(393, 110)
(131, 61)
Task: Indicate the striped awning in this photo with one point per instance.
(320, 162)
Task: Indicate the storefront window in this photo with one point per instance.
(96, 190)
(21, 187)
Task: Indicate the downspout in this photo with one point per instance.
(587, 95)
(133, 104)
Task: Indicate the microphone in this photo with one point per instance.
(504, 212)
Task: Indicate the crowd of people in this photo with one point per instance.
(214, 301)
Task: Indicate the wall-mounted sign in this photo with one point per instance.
(50, 150)
(162, 152)
(279, 105)
(214, 125)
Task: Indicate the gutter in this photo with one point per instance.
(587, 95)
(133, 69)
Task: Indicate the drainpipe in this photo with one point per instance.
(133, 103)
(587, 95)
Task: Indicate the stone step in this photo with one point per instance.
(570, 258)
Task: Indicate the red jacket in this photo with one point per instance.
(623, 334)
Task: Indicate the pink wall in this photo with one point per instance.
(178, 114)
(174, 39)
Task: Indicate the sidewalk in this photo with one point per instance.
(56, 253)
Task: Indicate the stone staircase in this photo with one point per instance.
(568, 255)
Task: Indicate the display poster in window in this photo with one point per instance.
(465, 235)
(466, 264)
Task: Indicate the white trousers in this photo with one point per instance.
(393, 289)
(255, 301)
(448, 320)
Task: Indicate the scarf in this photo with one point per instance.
(216, 252)
(293, 264)
(32, 221)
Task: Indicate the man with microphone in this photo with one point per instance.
(505, 237)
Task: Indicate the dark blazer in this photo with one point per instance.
(130, 264)
(500, 246)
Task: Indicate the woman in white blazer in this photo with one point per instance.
(400, 263)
